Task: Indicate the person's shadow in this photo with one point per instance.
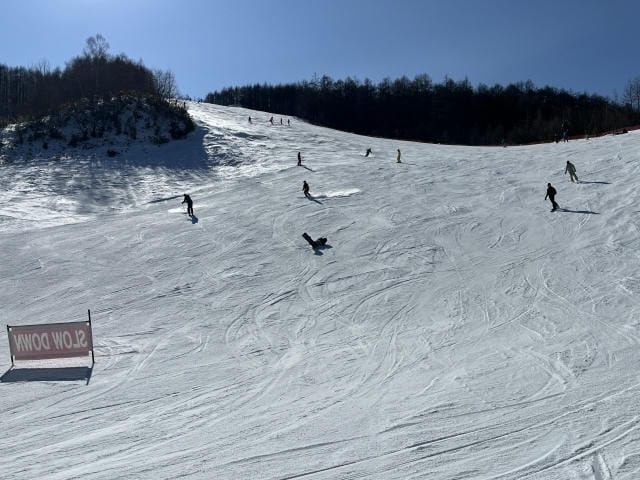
(310, 197)
(600, 183)
(587, 212)
(194, 219)
(304, 166)
(318, 250)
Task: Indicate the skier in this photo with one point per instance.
(551, 193)
(305, 189)
(368, 152)
(271, 120)
(249, 119)
(189, 202)
(399, 154)
(299, 159)
(571, 168)
(288, 122)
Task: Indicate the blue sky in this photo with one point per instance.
(581, 45)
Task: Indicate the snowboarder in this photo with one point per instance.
(398, 159)
(571, 168)
(551, 193)
(299, 159)
(249, 119)
(305, 189)
(189, 202)
(271, 120)
(368, 152)
(319, 243)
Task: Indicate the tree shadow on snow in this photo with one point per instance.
(112, 181)
(68, 374)
(599, 183)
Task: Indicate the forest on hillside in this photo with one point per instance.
(95, 75)
(451, 112)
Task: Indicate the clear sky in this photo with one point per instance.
(580, 45)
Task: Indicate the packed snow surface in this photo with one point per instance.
(455, 328)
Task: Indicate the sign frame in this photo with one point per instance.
(48, 334)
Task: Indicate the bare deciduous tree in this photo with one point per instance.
(631, 95)
(96, 47)
(165, 83)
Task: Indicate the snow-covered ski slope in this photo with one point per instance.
(455, 328)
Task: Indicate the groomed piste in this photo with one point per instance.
(456, 328)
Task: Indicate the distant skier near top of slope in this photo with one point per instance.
(368, 152)
(551, 193)
(399, 155)
(305, 189)
(189, 202)
(299, 159)
(271, 120)
(571, 168)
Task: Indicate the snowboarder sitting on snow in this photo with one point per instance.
(571, 168)
(305, 189)
(189, 202)
(319, 243)
(551, 193)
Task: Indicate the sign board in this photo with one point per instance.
(53, 340)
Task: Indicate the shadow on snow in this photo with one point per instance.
(68, 374)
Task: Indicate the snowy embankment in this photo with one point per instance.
(455, 328)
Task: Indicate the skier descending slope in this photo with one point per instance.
(551, 193)
(571, 168)
(189, 202)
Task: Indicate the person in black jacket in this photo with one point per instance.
(305, 189)
(189, 202)
(551, 193)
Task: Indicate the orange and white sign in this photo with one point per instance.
(34, 342)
